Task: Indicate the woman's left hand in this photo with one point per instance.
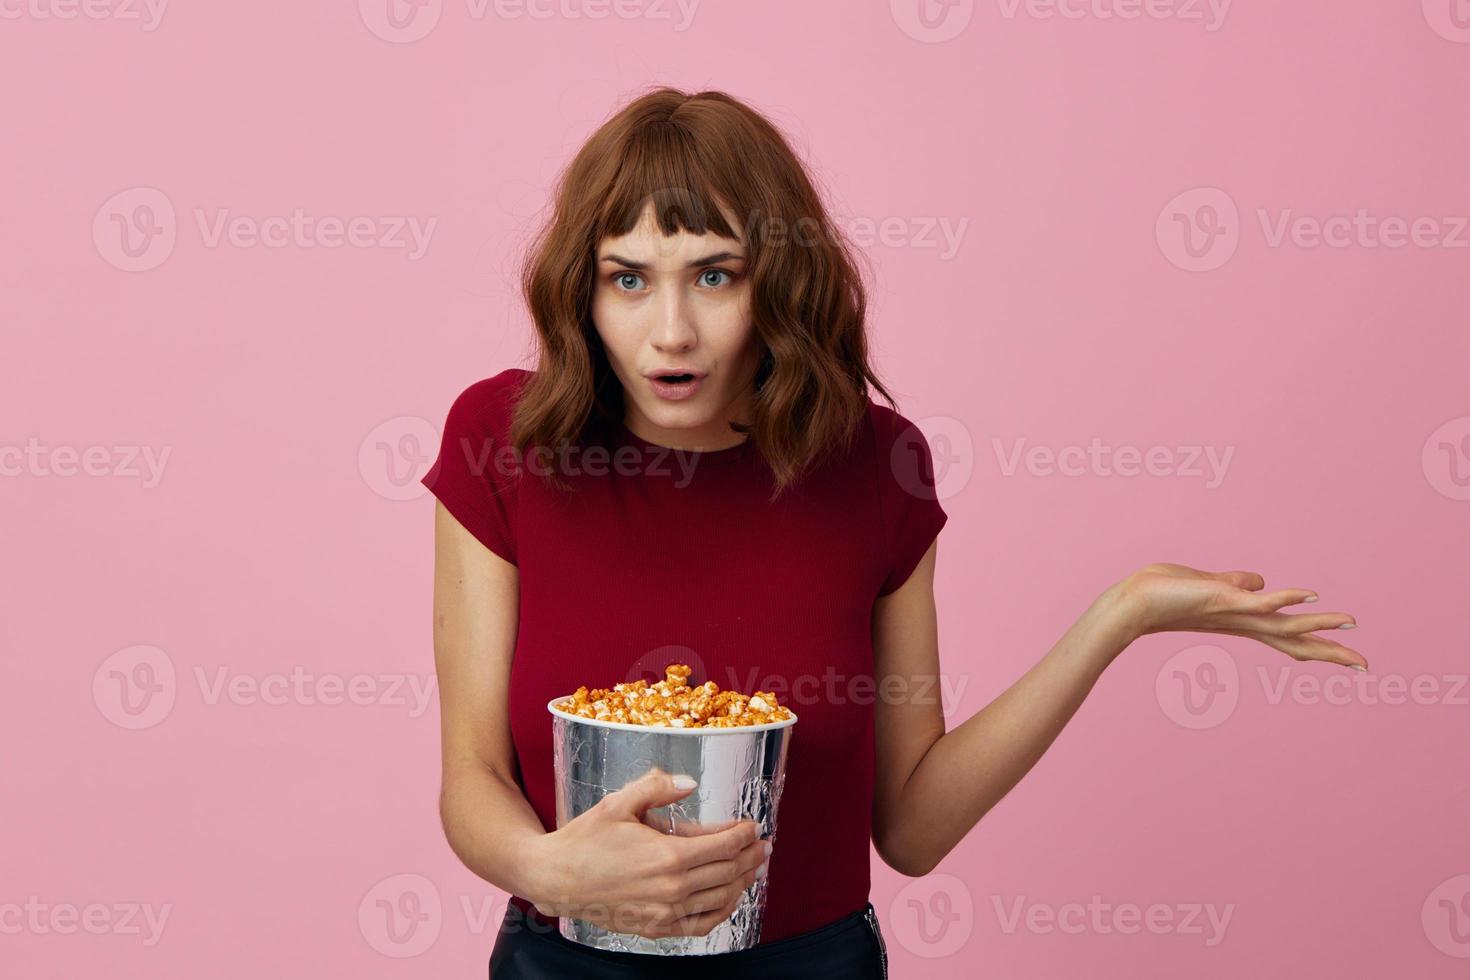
(1164, 597)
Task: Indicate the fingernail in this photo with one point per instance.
(769, 848)
(1310, 598)
(761, 871)
(1348, 626)
(1358, 667)
(683, 781)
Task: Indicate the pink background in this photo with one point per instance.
(297, 388)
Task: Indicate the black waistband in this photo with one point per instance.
(521, 910)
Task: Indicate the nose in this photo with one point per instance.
(673, 328)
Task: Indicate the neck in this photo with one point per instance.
(714, 435)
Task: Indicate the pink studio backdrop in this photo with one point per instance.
(1164, 281)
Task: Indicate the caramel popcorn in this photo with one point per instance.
(672, 703)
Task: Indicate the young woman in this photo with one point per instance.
(695, 470)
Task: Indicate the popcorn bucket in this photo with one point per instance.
(740, 770)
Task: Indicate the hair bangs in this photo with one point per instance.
(662, 166)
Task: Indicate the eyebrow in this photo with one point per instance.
(706, 260)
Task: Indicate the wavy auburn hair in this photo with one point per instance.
(689, 155)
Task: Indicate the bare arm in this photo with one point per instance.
(954, 778)
(664, 885)
(486, 817)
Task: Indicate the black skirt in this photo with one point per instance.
(530, 948)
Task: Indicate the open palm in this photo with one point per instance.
(1165, 597)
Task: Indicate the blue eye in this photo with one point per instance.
(713, 272)
(621, 280)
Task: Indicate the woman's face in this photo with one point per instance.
(678, 305)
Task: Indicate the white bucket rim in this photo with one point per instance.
(769, 726)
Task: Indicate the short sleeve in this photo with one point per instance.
(475, 475)
(911, 515)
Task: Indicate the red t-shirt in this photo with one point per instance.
(660, 557)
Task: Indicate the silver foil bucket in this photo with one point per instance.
(740, 770)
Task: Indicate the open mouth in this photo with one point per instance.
(676, 385)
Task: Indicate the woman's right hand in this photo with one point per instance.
(606, 866)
